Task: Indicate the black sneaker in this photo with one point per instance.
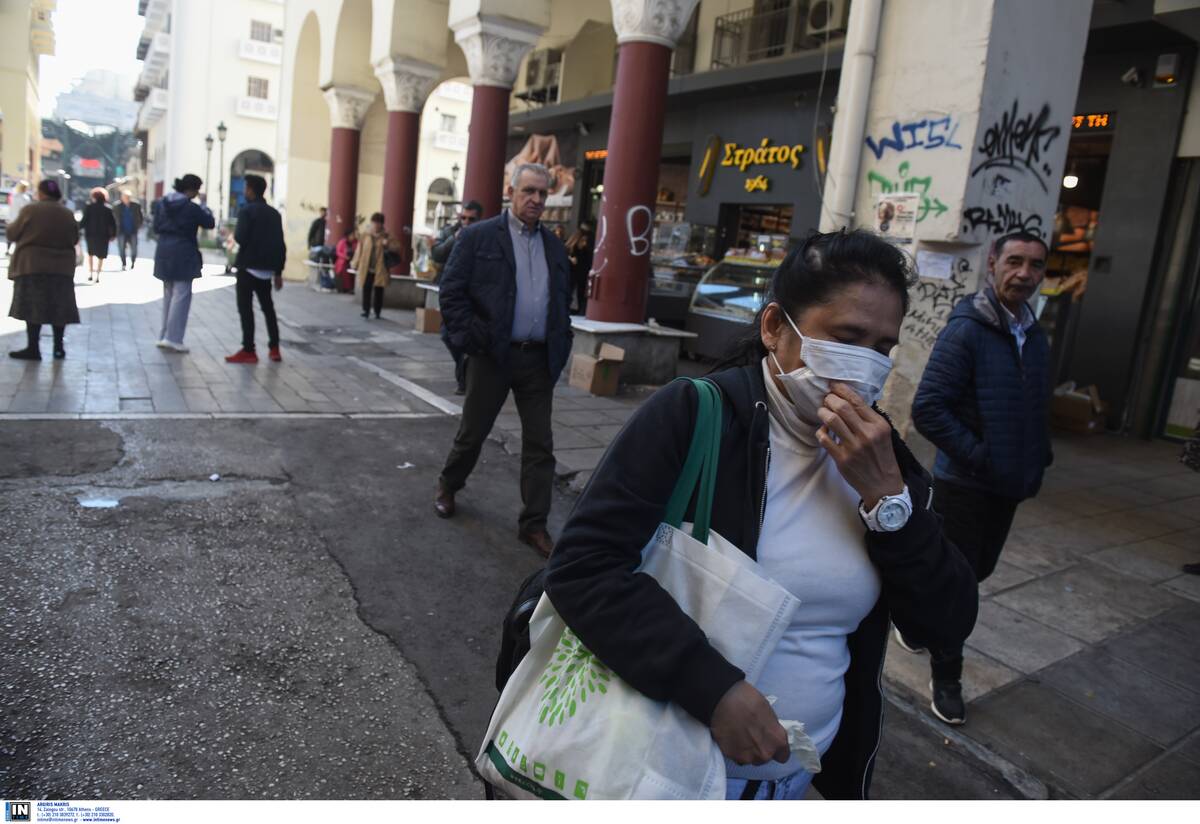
(947, 702)
(905, 645)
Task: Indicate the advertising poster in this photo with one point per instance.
(896, 216)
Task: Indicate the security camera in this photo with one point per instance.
(1132, 77)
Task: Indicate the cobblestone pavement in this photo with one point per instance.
(1082, 675)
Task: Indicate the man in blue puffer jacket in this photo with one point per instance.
(983, 402)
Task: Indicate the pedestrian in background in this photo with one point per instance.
(99, 229)
(505, 295)
(580, 249)
(815, 486)
(260, 259)
(18, 199)
(43, 270)
(177, 258)
(469, 214)
(129, 217)
(371, 265)
(316, 231)
(343, 254)
(983, 402)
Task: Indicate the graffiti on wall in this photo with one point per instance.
(925, 133)
(638, 227)
(1020, 142)
(932, 302)
(908, 183)
(1001, 219)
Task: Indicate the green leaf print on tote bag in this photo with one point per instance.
(567, 727)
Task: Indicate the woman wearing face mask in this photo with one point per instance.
(817, 487)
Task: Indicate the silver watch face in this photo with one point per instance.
(892, 515)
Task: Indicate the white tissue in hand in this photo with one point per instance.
(799, 743)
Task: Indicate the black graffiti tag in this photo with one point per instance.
(1002, 219)
(933, 304)
(1018, 141)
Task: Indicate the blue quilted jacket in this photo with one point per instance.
(983, 404)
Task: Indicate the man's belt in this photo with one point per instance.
(528, 344)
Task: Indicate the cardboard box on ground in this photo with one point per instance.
(599, 374)
(429, 321)
(1077, 409)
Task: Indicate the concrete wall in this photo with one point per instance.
(20, 130)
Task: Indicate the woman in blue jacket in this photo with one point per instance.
(177, 258)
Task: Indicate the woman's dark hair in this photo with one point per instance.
(50, 189)
(188, 183)
(99, 195)
(819, 268)
(378, 218)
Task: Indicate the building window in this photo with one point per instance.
(256, 87)
(260, 31)
(449, 122)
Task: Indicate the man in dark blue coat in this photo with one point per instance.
(260, 260)
(504, 296)
(983, 402)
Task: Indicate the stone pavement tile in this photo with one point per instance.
(1074, 748)
(1101, 500)
(1004, 576)
(1082, 536)
(581, 418)
(29, 401)
(1187, 507)
(620, 415)
(571, 438)
(1040, 512)
(1152, 560)
(1186, 585)
(507, 421)
(577, 460)
(1169, 778)
(1017, 641)
(136, 405)
(200, 400)
(1165, 646)
(1160, 710)
(606, 433)
(1146, 523)
(1087, 601)
(66, 400)
(1023, 551)
(1174, 487)
(1190, 749)
(1188, 539)
(981, 675)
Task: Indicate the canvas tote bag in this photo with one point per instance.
(567, 727)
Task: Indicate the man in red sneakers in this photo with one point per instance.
(260, 258)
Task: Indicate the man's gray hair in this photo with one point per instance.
(536, 168)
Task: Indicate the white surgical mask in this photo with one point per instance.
(864, 370)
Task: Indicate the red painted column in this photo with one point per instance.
(343, 183)
(400, 181)
(484, 177)
(621, 267)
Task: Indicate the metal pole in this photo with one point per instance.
(207, 170)
(221, 186)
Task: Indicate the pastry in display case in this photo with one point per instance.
(676, 265)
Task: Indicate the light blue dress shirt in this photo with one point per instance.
(533, 282)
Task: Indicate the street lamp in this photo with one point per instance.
(454, 178)
(221, 132)
(208, 141)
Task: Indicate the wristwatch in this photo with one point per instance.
(890, 514)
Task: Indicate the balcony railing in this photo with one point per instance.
(257, 107)
(153, 109)
(260, 51)
(453, 141)
(773, 29)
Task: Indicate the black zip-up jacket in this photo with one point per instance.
(259, 235)
(634, 626)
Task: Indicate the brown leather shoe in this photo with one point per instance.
(443, 503)
(539, 540)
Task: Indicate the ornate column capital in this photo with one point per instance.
(494, 48)
(406, 82)
(651, 21)
(348, 106)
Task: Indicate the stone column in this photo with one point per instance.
(406, 83)
(494, 49)
(347, 110)
(647, 31)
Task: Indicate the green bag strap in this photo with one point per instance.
(700, 467)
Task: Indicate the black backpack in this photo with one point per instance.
(514, 635)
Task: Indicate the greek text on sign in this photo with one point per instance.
(764, 154)
(1095, 121)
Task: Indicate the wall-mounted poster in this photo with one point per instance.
(896, 216)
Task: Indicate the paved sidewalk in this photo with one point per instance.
(1083, 673)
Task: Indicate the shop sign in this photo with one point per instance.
(746, 158)
(1094, 122)
(595, 154)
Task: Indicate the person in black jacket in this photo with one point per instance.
(815, 485)
(99, 229)
(471, 212)
(260, 259)
(983, 402)
(316, 231)
(128, 216)
(504, 297)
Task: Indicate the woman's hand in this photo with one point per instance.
(863, 448)
(746, 729)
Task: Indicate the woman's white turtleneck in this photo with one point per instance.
(812, 543)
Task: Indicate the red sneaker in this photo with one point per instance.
(275, 356)
(242, 356)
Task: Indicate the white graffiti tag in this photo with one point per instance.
(639, 243)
